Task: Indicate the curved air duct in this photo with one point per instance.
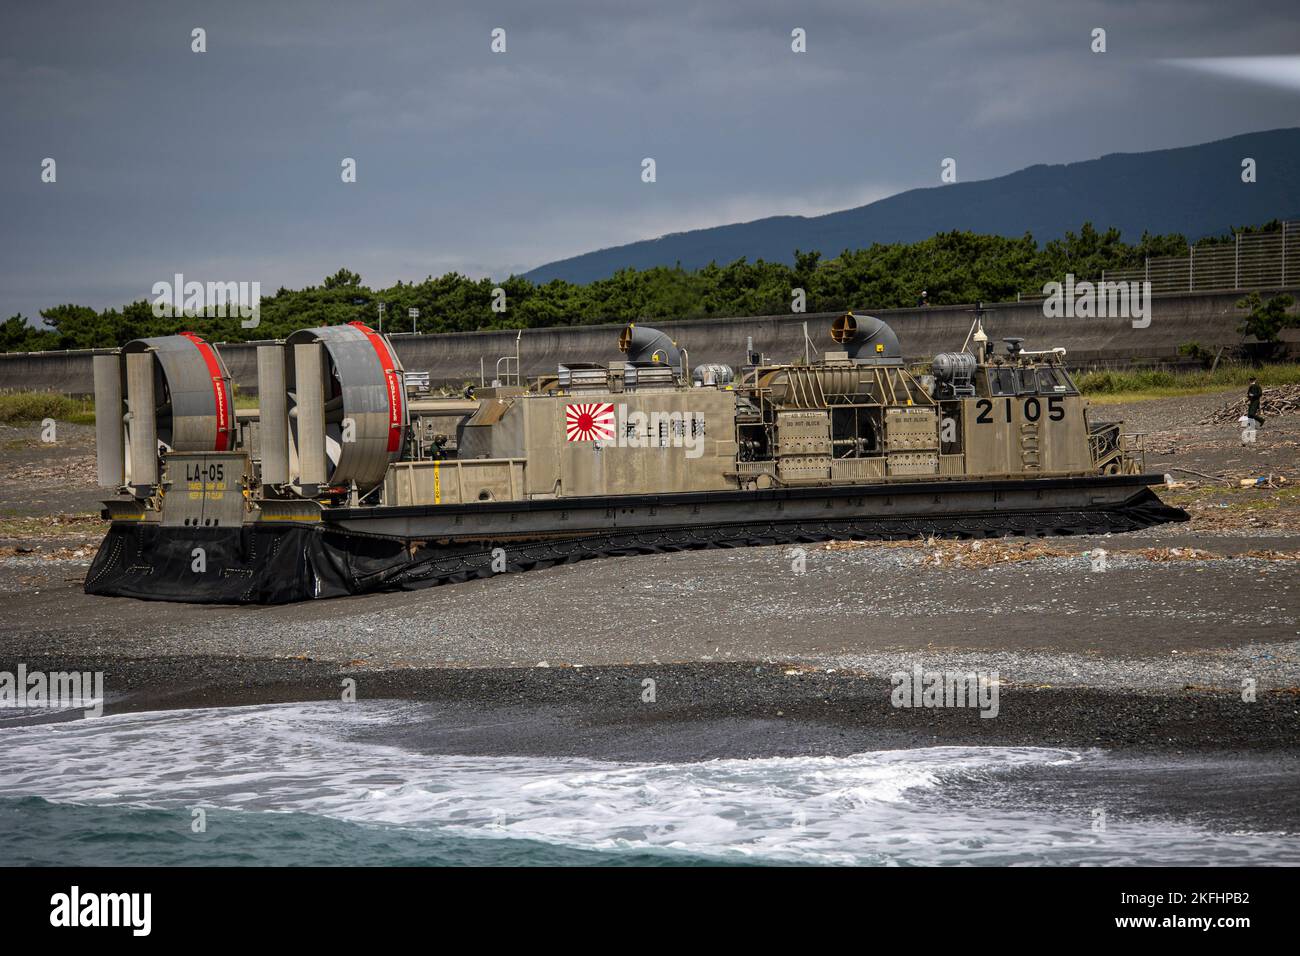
(867, 339)
(336, 375)
(193, 399)
(172, 390)
(647, 346)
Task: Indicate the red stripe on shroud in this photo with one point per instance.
(392, 384)
(218, 390)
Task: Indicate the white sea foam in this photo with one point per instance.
(904, 806)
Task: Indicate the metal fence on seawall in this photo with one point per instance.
(1254, 261)
(1263, 260)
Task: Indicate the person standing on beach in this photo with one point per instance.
(1253, 395)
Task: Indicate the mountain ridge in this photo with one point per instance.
(1194, 190)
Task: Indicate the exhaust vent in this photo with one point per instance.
(866, 339)
(646, 346)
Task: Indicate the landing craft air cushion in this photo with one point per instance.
(344, 481)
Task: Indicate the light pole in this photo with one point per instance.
(414, 314)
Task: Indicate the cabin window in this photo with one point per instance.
(1002, 381)
(1055, 381)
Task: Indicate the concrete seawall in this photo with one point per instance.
(1208, 318)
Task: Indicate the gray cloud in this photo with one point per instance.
(1282, 72)
(225, 165)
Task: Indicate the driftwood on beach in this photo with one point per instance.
(1276, 401)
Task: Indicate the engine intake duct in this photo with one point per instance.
(646, 346)
(866, 338)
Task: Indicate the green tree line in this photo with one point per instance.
(952, 268)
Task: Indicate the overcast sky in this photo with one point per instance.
(225, 165)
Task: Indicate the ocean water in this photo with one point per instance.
(305, 784)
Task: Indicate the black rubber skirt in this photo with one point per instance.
(271, 563)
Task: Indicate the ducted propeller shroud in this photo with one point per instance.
(169, 393)
(362, 409)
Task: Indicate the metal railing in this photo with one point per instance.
(1260, 260)
(1254, 260)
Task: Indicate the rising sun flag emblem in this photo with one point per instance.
(589, 422)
